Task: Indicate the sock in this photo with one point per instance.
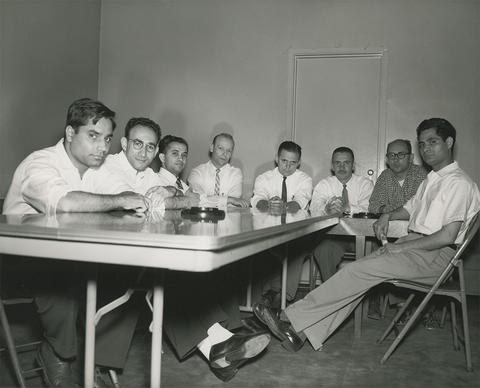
(216, 334)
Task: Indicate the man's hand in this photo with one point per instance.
(380, 227)
(239, 202)
(133, 201)
(334, 205)
(276, 205)
(293, 207)
(391, 248)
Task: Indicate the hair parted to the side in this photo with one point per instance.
(82, 110)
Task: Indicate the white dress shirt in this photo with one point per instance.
(202, 180)
(138, 181)
(166, 178)
(359, 191)
(269, 184)
(46, 176)
(445, 196)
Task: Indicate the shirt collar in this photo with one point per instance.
(212, 166)
(168, 174)
(67, 162)
(445, 170)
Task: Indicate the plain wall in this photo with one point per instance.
(48, 58)
(201, 66)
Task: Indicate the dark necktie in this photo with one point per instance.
(284, 189)
(179, 184)
(346, 203)
(217, 183)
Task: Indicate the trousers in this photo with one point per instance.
(322, 310)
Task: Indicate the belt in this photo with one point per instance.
(453, 246)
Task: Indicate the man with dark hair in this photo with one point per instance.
(439, 214)
(343, 192)
(283, 189)
(399, 182)
(217, 177)
(61, 179)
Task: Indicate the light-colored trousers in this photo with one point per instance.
(322, 310)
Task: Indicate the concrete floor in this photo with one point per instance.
(425, 359)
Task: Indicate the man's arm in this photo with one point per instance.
(380, 227)
(195, 181)
(444, 237)
(79, 201)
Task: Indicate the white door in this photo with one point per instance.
(337, 99)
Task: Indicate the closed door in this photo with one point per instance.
(337, 99)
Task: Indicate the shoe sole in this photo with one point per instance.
(251, 348)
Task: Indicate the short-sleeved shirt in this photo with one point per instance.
(119, 166)
(359, 191)
(202, 180)
(389, 193)
(445, 196)
(269, 184)
(46, 176)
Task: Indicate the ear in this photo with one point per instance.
(449, 142)
(210, 149)
(162, 158)
(69, 133)
(353, 167)
(124, 142)
(276, 159)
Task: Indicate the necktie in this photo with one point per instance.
(217, 183)
(179, 184)
(284, 189)
(346, 203)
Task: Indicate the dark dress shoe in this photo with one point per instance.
(283, 331)
(56, 372)
(272, 299)
(252, 325)
(237, 348)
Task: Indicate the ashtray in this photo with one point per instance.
(207, 214)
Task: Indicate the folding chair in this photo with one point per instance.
(445, 286)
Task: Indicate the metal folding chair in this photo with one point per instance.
(445, 286)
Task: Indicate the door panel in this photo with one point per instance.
(337, 100)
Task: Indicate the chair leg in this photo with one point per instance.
(444, 315)
(11, 346)
(384, 306)
(453, 314)
(396, 318)
(407, 326)
(466, 333)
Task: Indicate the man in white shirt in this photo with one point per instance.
(218, 177)
(284, 189)
(344, 192)
(439, 214)
(59, 179)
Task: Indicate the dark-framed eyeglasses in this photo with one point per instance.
(138, 145)
(397, 155)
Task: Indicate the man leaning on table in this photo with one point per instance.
(343, 192)
(218, 177)
(284, 189)
(439, 214)
(60, 179)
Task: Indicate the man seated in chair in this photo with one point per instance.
(439, 214)
(218, 177)
(343, 192)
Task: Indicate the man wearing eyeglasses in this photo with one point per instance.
(343, 192)
(399, 182)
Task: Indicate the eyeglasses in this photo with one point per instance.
(398, 155)
(138, 145)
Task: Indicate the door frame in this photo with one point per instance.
(296, 55)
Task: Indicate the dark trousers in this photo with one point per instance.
(194, 302)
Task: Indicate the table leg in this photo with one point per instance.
(156, 363)
(90, 331)
(359, 252)
(284, 279)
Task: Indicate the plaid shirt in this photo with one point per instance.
(388, 192)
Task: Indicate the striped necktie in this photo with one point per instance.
(284, 189)
(217, 183)
(179, 184)
(346, 202)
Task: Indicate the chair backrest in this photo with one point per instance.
(469, 235)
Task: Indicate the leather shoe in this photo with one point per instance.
(271, 299)
(238, 348)
(283, 331)
(251, 325)
(56, 372)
